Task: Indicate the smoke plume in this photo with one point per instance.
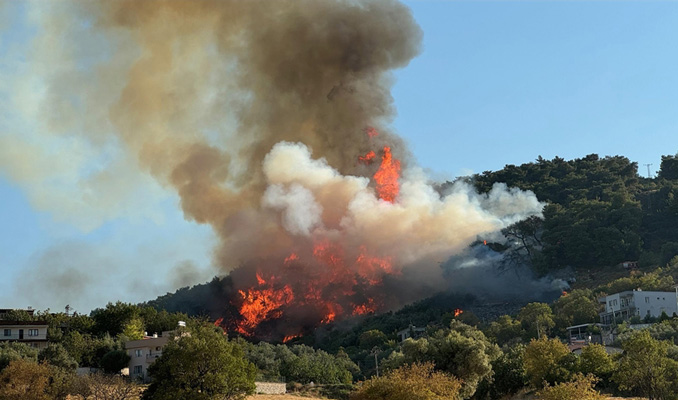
(255, 113)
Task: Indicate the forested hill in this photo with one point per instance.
(600, 212)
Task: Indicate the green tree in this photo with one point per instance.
(413, 382)
(546, 361)
(10, 351)
(113, 361)
(509, 375)
(134, 329)
(644, 368)
(113, 319)
(76, 344)
(18, 315)
(536, 319)
(594, 360)
(576, 308)
(462, 351)
(55, 354)
(669, 167)
(372, 338)
(199, 365)
(505, 330)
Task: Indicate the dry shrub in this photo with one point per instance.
(580, 388)
(411, 382)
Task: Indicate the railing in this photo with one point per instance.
(154, 355)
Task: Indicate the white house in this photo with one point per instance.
(625, 305)
(32, 333)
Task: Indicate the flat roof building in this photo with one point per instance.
(625, 305)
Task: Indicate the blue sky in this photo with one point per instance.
(497, 82)
(502, 82)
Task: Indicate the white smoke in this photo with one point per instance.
(421, 225)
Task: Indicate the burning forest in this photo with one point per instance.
(271, 122)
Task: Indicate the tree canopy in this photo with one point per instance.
(202, 365)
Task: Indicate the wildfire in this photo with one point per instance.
(261, 304)
(328, 283)
(367, 308)
(458, 312)
(290, 337)
(564, 293)
(387, 177)
(327, 290)
(485, 242)
(368, 158)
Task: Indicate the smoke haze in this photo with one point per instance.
(253, 112)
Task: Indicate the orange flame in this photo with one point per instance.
(371, 132)
(564, 293)
(261, 304)
(485, 242)
(387, 176)
(366, 308)
(218, 321)
(368, 158)
(326, 288)
(290, 337)
(458, 312)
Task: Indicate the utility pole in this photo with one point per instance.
(375, 350)
(648, 169)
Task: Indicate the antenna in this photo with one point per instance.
(648, 169)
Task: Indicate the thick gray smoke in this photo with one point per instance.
(254, 113)
(491, 277)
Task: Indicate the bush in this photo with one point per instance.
(580, 388)
(413, 382)
(24, 380)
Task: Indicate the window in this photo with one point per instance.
(138, 353)
(137, 370)
(32, 332)
(647, 299)
(8, 332)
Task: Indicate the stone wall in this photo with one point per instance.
(270, 388)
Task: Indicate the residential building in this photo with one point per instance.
(32, 333)
(626, 305)
(411, 332)
(145, 351)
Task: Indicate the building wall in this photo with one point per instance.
(640, 303)
(653, 303)
(142, 354)
(14, 332)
